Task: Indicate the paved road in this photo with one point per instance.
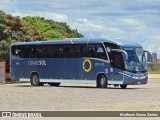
(71, 96)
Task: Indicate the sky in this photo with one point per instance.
(130, 20)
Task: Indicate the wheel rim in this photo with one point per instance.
(35, 80)
(102, 81)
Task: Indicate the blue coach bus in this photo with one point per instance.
(100, 61)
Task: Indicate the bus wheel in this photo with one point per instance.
(123, 86)
(101, 81)
(35, 80)
(54, 84)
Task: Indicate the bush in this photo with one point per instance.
(154, 68)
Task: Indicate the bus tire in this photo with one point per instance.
(123, 86)
(35, 80)
(54, 84)
(101, 81)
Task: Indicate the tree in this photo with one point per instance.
(15, 29)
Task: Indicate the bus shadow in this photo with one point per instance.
(128, 88)
(81, 87)
(92, 87)
(26, 86)
(18, 85)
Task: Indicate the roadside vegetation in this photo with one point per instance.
(154, 68)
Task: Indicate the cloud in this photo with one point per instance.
(114, 30)
(85, 25)
(133, 20)
(90, 24)
(4, 3)
(35, 8)
(156, 37)
(133, 23)
(47, 15)
(139, 5)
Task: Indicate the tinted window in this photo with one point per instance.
(81, 50)
(68, 51)
(43, 51)
(59, 51)
(97, 51)
(16, 51)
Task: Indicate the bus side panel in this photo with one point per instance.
(57, 68)
(53, 68)
(65, 68)
(98, 66)
(116, 74)
(24, 68)
(14, 68)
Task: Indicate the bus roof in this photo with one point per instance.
(81, 41)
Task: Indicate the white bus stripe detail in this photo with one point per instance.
(125, 74)
(24, 79)
(114, 82)
(70, 80)
(143, 77)
(67, 80)
(102, 60)
(134, 77)
(59, 80)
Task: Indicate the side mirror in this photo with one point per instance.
(149, 56)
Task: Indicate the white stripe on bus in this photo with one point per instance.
(69, 80)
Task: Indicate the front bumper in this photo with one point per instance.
(135, 79)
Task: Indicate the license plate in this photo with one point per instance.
(138, 82)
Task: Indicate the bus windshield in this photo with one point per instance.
(136, 60)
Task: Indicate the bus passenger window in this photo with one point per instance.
(101, 53)
(57, 52)
(17, 51)
(97, 51)
(80, 51)
(84, 51)
(92, 52)
(68, 52)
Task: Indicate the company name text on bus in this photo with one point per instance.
(37, 62)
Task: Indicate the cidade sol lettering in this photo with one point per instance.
(37, 62)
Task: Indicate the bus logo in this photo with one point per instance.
(87, 65)
(37, 62)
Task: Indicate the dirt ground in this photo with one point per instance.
(80, 97)
(154, 76)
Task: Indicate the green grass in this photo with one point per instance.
(154, 72)
(154, 68)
